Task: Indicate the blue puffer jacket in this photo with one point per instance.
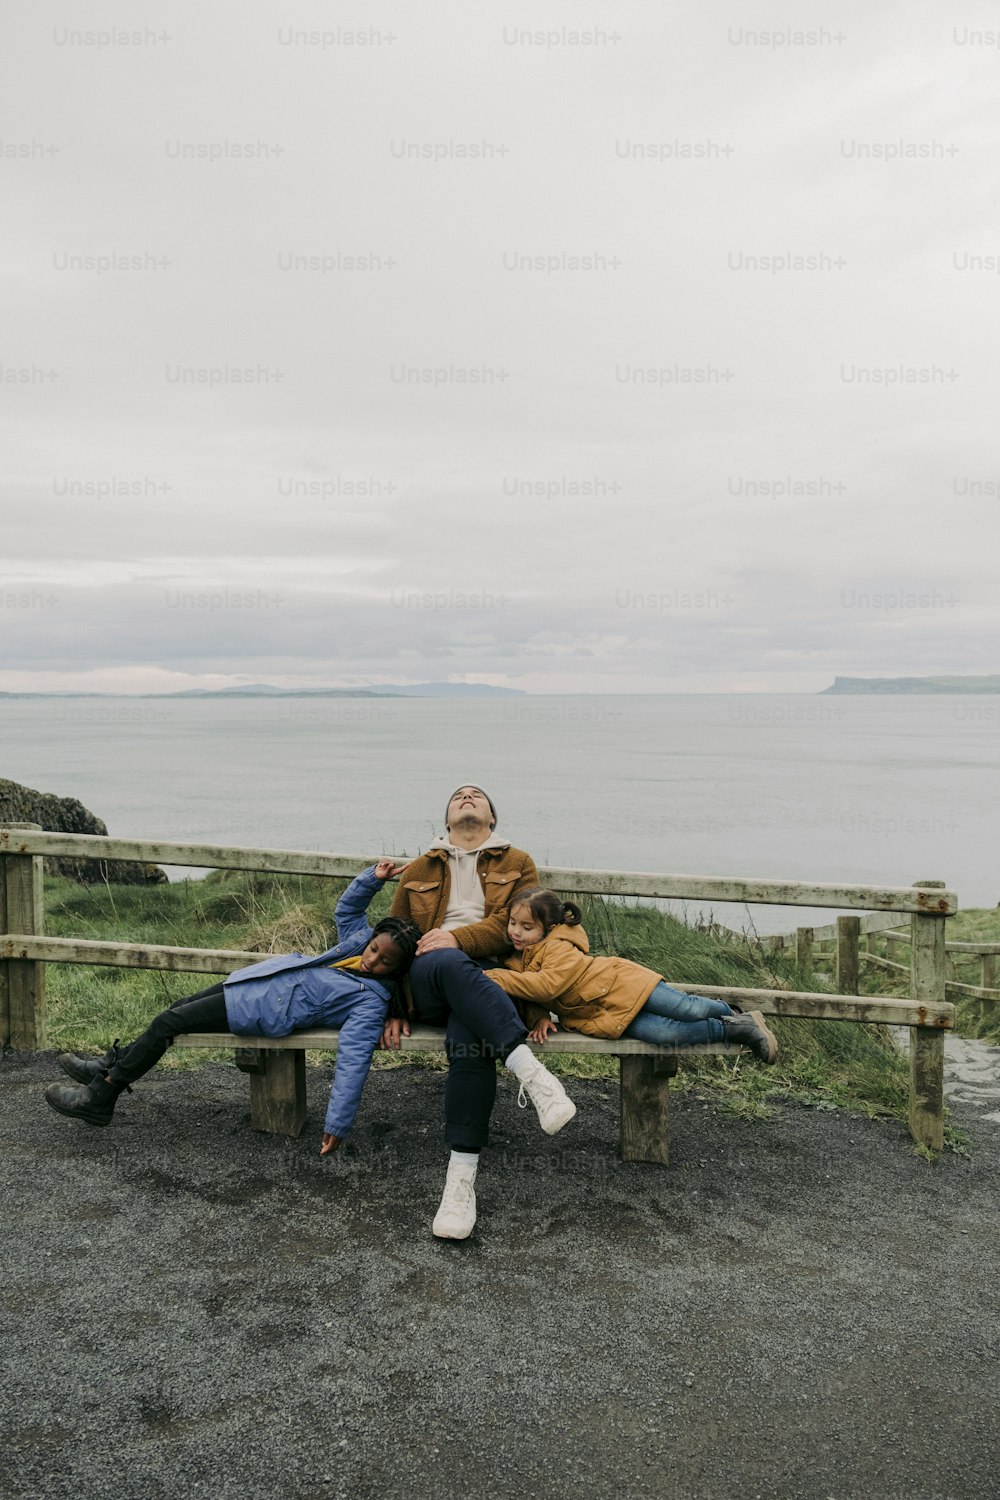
(289, 993)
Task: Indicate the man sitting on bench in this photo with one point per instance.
(459, 893)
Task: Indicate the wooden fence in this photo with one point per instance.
(24, 948)
(840, 944)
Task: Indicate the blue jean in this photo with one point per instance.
(670, 1018)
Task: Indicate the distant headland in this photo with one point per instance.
(988, 684)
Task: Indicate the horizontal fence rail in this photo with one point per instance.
(937, 902)
(770, 892)
(874, 923)
(816, 1005)
(198, 856)
(24, 948)
(895, 934)
(26, 945)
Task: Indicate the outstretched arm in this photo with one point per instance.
(350, 915)
(552, 979)
(359, 1037)
(534, 1012)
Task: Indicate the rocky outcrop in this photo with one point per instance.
(987, 684)
(20, 804)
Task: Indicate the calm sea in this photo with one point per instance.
(870, 790)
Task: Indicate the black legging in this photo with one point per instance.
(205, 1011)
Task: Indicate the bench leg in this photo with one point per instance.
(645, 1102)
(927, 1086)
(277, 1088)
(250, 1059)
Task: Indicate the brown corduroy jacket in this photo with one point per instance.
(425, 885)
(598, 996)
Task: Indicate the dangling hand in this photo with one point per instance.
(391, 1032)
(330, 1143)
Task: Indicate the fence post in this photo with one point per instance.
(927, 982)
(848, 936)
(804, 947)
(988, 974)
(22, 981)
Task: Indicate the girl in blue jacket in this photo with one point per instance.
(350, 987)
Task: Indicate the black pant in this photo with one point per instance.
(449, 989)
(205, 1011)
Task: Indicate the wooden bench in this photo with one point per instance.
(276, 1065)
(277, 1071)
(24, 952)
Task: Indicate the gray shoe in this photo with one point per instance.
(749, 1030)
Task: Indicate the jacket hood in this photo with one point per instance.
(444, 842)
(574, 935)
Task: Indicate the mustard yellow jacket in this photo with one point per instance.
(599, 996)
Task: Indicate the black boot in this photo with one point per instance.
(86, 1069)
(750, 1031)
(94, 1103)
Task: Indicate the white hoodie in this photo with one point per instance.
(466, 901)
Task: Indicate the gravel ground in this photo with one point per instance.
(801, 1308)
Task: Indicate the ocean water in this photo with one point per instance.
(855, 789)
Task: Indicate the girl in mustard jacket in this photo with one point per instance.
(551, 970)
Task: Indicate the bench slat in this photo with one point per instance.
(882, 1010)
(431, 1039)
(870, 1010)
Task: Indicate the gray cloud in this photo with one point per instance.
(706, 316)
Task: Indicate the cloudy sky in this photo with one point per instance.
(571, 347)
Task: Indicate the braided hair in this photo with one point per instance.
(404, 937)
(547, 908)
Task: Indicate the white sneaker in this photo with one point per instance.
(456, 1217)
(555, 1107)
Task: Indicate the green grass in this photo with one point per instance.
(821, 1064)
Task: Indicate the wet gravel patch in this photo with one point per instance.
(801, 1308)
